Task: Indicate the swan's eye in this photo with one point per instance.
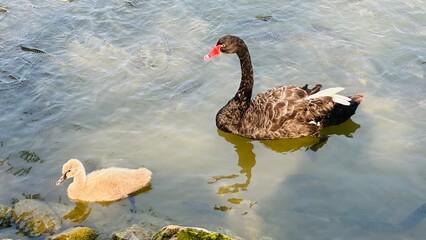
(223, 45)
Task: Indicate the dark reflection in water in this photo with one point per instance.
(247, 158)
(246, 161)
(80, 212)
(82, 209)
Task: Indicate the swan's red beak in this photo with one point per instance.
(213, 53)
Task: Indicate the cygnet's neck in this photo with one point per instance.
(80, 179)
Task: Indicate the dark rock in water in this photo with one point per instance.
(29, 49)
(183, 233)
(130, 4)
(5, 165)
(22, 171)
(35, 218)
(133, 232)
(82, 233)
(36, 196)
(264, 18)
(30, 156)
(5, 216)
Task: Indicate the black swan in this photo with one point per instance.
(280, 112)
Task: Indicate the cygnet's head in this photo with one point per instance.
(70, 169)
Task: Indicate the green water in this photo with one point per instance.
(123, 83)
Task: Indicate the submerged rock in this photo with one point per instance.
(35, 218)
(264, 18)
(31, 49)
(76, 233)
(5, 216)
(174, 232)
(27, 155)
(132, 233)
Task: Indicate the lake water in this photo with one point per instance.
(123, 83)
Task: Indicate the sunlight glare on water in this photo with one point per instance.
(123, 83)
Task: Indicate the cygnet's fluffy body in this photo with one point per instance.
(103, 185)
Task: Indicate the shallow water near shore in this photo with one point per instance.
(123, 83)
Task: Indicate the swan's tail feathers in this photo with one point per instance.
(315, 89)
(357, 98)
(341, 113)
(332, 92)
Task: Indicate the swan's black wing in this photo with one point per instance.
(283, 112)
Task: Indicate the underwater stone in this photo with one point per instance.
(30, 156)
(264, 18)
(76, 233)
(35, 218)
(132, 233)
(31, 49)
(5, 216)
(174, 232)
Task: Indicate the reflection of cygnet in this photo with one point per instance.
(103, 185)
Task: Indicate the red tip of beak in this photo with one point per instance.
(213, 53)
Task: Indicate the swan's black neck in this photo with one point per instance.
(228, 119)
(243, 95)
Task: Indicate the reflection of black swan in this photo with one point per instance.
(280, 112)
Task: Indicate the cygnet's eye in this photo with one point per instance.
(223, 45)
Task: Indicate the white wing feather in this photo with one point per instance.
(332, 92)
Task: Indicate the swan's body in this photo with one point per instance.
(280, 112)
(103, 185)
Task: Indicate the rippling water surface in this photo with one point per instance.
(123, 83)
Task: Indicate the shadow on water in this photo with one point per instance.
(401, 228)
(247, 157)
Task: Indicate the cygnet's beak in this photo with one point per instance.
(61, 179)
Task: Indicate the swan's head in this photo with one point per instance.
(70, 169)
(226, 44)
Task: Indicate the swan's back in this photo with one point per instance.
(113, 183)
(272, 114)
(284, 112)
